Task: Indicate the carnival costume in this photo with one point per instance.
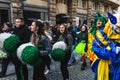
(112, 29)
(82, 45)
(106, 45)
(100, 45)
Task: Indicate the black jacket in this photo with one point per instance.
(70, 30)
(23, 33)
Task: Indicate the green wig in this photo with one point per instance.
(98, 17)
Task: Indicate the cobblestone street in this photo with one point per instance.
(74, 71)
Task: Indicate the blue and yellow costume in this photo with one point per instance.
(112, 29)
(105, 43)
(104, 48)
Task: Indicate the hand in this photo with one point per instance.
(117, 50)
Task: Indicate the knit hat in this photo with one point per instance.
(29, 54)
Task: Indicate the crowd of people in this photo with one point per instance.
(43, 35)
(101, 44)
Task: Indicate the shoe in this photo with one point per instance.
(47, 72)
(83, 66)
(74, 61)
(90, 62)
(69, 65)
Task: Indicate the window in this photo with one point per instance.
(61, 1)
(42, 16)
(84, 3)
(106, 8)
(4, 17)
(98, 7)
(34, 16)
(46, 16)
(44, 0)
(95, 6)
(65, 2)
(79, 3)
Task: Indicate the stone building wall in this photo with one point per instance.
(73, 8)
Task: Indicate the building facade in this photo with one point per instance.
(57, 11)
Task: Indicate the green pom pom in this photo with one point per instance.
(31, 55)
(11, 44)
(58, 54)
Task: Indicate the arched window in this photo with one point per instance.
(84, 4)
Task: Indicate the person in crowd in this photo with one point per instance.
(24, 34)
(55, 31)
(72, 30)
(40, 40)
(7, 27)
(1, 28)
(68, 39)
(102, 66)
(48, 33)
(83, 38)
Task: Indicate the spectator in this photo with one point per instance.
(24, 34)
(72, 30)
(7, 27)
(48, 33)
(40, 40)
(83, 38)
(68, 39)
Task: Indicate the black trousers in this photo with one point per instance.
(38, 73)
(48, 61)
(4, 63)
(64, 65)
(20, 68)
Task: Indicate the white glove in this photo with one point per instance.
(78, 32)
(117, 50)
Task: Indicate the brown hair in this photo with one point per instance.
(40, 26)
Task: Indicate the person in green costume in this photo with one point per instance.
(82, 49)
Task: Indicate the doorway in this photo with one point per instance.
(3, 16)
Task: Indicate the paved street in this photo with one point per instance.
(74, 71)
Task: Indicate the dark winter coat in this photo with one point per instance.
(23, 33)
